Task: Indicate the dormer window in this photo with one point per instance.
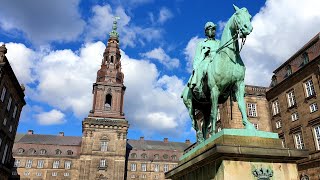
(289, 71)
(58, 152)
(305, 58)
(274, 81)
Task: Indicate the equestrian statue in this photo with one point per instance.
(218, 73)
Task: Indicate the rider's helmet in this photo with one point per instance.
(209, 24)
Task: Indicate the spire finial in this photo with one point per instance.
(114, 32)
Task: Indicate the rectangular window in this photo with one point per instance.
(29, 163)
(256, 126)
(291, 98)
(144, 176)
(55, 164)
(276, 107)
(218, 115)
(165, 168)
(156, 168)
(14, 111)
(17, 163)
(66, 174)
(9, 104)
(252, 109)
(38, 174)
(309, 88)
(133, 176)
(67, 164)
(294, 116)
(4, 157)
(299, 141)
(317, 136)
(283, 142)
(102, 163)
(278, 124)
(133, 167)
(143, 167)
(40, 163)
(3, 93)
(104, 146)
(313, 107)
(54, 173)
(27, 173)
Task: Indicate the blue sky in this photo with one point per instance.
(55, 49)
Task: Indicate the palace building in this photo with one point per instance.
(103, 151)
(11, 103)
(294, 105)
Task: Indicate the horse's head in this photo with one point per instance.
(242, 20)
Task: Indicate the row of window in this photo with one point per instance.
(10, 102)
(143, 176)
(299, 142)
(39, 174)
(310, 91)
(133, 167)
(42, 151)
(40, 164)
(156, 156)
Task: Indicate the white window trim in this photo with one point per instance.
(313, 107)
(67, 164)
(55, 164)
(298, 139)
(275, 107)
(133, 167)
(317, 136)
(54, 174)
(278, 124)
(156, 168)
(165, 167)
(291, 98)
(252, 109)
(294, 116)
(143, 167)
(29, 163)
(309, 88)
(103, 146)
(103, 163)
(40, 163)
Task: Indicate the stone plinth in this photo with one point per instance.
(230, 157)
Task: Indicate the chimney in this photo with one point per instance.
(165, 140)
(61, 133)
(30, 131)
(141, 138)
(188, 141)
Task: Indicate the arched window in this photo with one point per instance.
(32, 151)
(58, 152)
(144, 156)
(165, 156)
(43, 151)
(108, 101)
(133, 155)
(112, 59)
(69, 152)
(20, 150)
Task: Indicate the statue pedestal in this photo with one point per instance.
(235, 154)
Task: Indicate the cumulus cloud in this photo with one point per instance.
(51, 118)
(101, 24)
(162, 57)
(42, 21)
(164, 15)
(280, 29)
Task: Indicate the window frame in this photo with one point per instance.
(309, 88)
(298, 136)
(313, 107)
(316, 136)
(133, 167)
(55, 164)
(275, 107)
(291, 98)
(3, 94)
(40, 163)
(252, 109)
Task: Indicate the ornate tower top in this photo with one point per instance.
(114, 33)
(109, 88)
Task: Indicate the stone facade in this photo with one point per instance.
(11, 103)
(294, 102)
(257, 110)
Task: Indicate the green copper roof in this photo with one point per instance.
(114, 32)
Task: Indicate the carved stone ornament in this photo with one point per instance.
(262, 173)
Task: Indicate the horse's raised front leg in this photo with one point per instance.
(214, 109)
(239, 93)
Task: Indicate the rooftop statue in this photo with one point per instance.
(218, 74)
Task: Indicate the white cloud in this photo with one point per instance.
(164, 15)
(101, 24)
(152, 102)
(42, 21)
(51, 118)
(190, 51)
(22, 60)
(162, 57)
(279, 30)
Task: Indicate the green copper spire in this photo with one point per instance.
(114, 32)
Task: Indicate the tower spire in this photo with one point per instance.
(114, 32)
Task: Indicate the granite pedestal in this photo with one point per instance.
(236, 154)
